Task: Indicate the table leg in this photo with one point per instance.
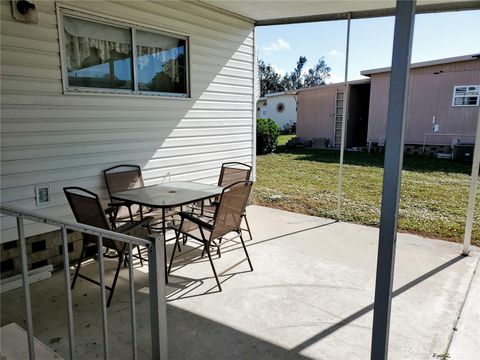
(164, 231)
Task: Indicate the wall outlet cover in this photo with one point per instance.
(43, 195)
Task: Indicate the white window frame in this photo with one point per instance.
(80, 14)
(465, 96)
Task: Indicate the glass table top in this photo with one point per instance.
(170, 194)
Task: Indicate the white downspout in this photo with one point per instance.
(256, 94)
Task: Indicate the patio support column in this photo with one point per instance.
(473, 191)
(344, 121)
(402, 45)
(157, 295)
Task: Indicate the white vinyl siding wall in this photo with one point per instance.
(67, 140)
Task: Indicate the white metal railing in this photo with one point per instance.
(156, 281)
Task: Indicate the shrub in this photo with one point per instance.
(289, 129)
(267, 134)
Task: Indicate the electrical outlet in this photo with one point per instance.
(42, 195)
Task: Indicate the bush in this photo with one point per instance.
(267, 134)
(289, 129)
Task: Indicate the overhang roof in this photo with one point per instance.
(268, 12)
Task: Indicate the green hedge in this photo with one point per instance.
(267, 134)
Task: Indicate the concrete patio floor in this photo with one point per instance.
(310, 296)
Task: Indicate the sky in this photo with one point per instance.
(436, 36)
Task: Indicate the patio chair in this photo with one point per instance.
(230, 173)
(87, 209)
(227, 218)
(121, 178)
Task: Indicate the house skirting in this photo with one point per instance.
(44, 249)
(430, 150)
(417, 149)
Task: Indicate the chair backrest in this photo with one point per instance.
(123, 177)
(233, 172)
(87, 209)
(231, 206)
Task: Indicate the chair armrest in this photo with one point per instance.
(129, 227)
(118, 203)
(195, 219)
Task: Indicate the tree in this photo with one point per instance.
(294, 80)
(317, 74)
(271, 81)
(269, 78)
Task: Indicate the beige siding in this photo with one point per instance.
(316, 110)
(60, 140)
(429, 95)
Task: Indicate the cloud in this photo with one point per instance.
(335, 52)
(334, 78)
(278, 70)
(277, 45)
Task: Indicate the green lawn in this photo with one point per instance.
(434, 191)
(282, 139)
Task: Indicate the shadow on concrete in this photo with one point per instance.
(330, 330)
(196, 337)
(252, 242)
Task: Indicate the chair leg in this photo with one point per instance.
(173, 253)
(248, 226)
(207, 249)
(245, 248)
(78, 267)
(120, 259)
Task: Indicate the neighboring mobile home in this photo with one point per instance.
(73, 103)
(442, 109)
(280, 106)
(443, 104)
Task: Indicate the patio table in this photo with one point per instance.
(168, 195)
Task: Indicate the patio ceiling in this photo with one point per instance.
(268, 12)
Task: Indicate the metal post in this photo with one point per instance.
(101, 268)
(131, 282)
(158, 306)
(66, 269)
(344, 120)
(402, 45)
(26, 287)
(473, 191)
(164, 231)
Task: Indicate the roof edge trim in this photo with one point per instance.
(424, 64)
(420, 9)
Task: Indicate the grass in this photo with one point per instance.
(434, 191)
(283, 139)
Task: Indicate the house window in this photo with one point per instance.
(466, 95)
(113, 57)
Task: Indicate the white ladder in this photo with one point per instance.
(337, 131)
